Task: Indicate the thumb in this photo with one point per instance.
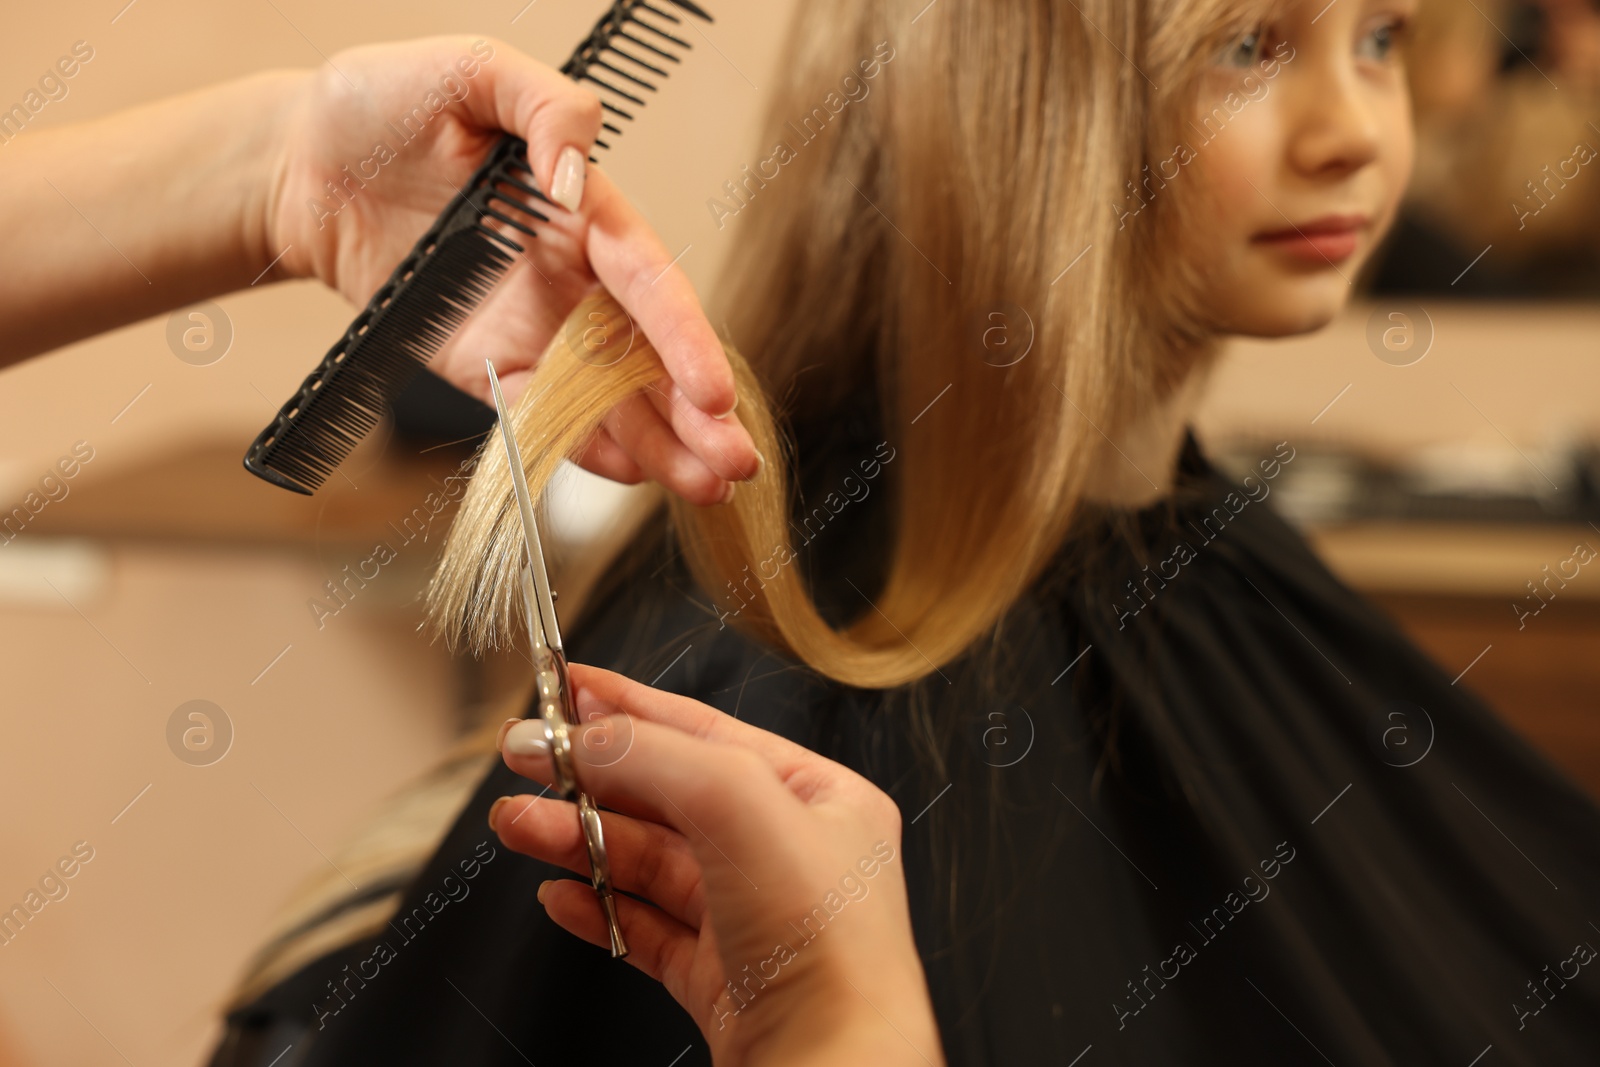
(726, 800)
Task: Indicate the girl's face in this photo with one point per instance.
(1301, 148)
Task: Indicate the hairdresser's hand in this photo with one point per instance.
(769, 867)
(378, 141)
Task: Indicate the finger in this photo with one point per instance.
(600, 692)
(646, 858)
(724, 799)
(719, 443)
(652, 288)
(647, 438)
(658, 944)
(603, 456)
(545, 108)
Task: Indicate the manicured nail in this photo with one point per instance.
(727, 494)
(567, 188)
(731, 410)
(494, 810)
(500, 739)
(527, 739)
(539, 895)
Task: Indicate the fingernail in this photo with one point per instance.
(539, 895)
(527, 739)
(731, 410)
(567, 188)
(588, 705)
(494, 810)
(500, 738)
(761, 464)
(727, 494)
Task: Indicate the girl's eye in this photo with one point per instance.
(1243, 53)
(1380, 44)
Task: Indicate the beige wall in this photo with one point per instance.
(131, 962)
(1495, 375)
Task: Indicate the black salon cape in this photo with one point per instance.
(1225, 815)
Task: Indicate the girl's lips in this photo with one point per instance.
(1329, 240)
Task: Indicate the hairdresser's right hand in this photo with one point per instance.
(377, 141)
(778, 916)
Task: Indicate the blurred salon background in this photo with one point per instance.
(1447, 437)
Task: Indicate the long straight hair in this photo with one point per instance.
(993, 187)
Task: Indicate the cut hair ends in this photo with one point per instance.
(473, 597)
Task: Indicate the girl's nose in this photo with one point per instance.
(1335, 127)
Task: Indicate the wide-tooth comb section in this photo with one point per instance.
(625, 51)
(455, 265)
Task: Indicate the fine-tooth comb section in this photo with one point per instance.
(453, 267)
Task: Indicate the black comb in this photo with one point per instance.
(452, 267)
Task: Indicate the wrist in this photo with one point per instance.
(280, 93)
(834, 1015)
(864, 1040)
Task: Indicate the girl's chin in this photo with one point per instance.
(1294, 309)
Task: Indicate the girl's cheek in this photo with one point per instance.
(1227, 177)
(1398, 160)
(1238, 164)
(1405, 148)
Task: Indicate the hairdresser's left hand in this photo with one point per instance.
(355, 186)
(767, 866)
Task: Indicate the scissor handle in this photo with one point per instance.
(600, 872)
(553, 700)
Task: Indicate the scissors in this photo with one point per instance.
(553, 687)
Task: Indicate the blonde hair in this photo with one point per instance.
(475, 594)
(993, 153)
(898, 230)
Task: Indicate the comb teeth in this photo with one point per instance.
(454, 266)
(341, 404)
(625, 51)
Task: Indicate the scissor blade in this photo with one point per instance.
(530, 524)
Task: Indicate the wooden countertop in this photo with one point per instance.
(1472, 560)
